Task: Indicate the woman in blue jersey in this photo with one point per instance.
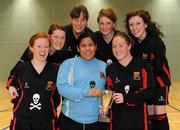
(79, 81)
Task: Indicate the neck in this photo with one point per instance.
(126, 60)
(76, 34)
(38, 65)
(51, 50)
(108, 37)
(140, 39)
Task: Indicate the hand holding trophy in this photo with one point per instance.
(105, 105)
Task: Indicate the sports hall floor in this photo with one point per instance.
(173, 109)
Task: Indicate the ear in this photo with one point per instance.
(78, 49)
(114, 25)
(31, 49)
(95, 46)
(70, 20)
(129, 47)
(145, 25)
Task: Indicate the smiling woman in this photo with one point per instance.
(57, 53)
(32, 88)
(87, 46)
(74, 82)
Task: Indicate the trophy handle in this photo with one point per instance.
(111, 100)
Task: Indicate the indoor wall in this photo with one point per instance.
(19, 19)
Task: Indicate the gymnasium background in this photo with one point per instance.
(19, 19)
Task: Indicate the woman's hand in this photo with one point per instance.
(118, 98)
(102, 110)
(13, 92)
(94, 92)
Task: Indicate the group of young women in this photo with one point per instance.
(136, 69)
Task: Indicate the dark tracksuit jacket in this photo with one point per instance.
(135, 82)
(57, 58)
(104, 49)
(71, 41)
(155, 51)
(38, 95)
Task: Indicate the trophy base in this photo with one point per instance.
(104, 119)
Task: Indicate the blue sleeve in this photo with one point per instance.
(65, 84)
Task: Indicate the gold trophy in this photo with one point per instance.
(106, 104)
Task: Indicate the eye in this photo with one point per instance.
(56, 36)
(138, 23)
(91, 45)
(82, 45)
(130, 25)
(46, 47)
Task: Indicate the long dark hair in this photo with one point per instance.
(153, 28)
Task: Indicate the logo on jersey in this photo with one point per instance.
(49, 85)
(102, 74)
(117, 80)
(35, 104)
(136, 76)
(126, 89)
(26, 85)
(69, 48)
(161, 99)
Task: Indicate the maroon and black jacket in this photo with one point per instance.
(154, 50)
(135, 81)
(33, 86)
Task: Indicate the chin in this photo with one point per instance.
(88, 58)
(78, 31)
(58, 48)
(119, 59)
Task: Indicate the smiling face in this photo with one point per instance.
(87, 48)
(40, 49)
(120, 48)
(106, 25)
(78, 24)
(57, 39)
(137, 27)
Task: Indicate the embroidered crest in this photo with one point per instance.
(49, 85)
(136, 76)
(102, 74)
(144, 56)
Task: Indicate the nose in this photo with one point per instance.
(59, 40)
(134, 27)
(44, 49)
(87, 48)
(79, 22)
(103, 26)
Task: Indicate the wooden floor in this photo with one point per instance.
(173, 109)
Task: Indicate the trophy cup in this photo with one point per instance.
(106, 103)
